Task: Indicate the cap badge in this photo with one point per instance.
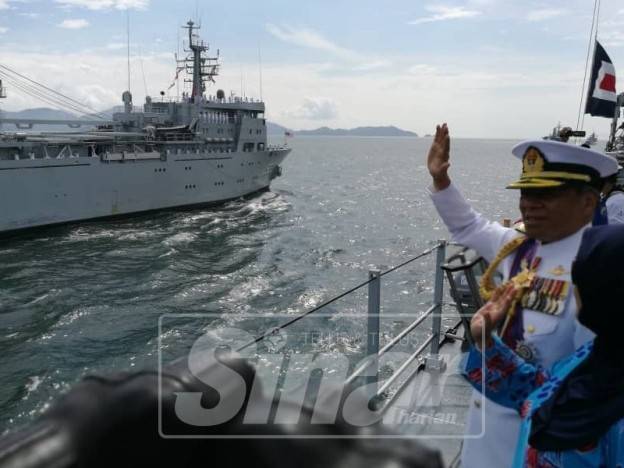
(533, 161)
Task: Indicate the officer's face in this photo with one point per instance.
(554, 213)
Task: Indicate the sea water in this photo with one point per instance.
(91, 297)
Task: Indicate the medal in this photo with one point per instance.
(526, 351)
(557, 300)
(546, 295)
(558, 271)
(543, 295)
(533, 295)
(550, 296)
(521, 282)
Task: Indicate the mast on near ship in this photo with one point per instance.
(2, 96)
(198, 65)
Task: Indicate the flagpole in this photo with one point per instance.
(597, 20)
(592, 36)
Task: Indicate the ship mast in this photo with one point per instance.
(201, 67)
(2, 96)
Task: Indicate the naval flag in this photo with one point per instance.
(601, 95)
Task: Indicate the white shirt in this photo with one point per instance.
(615, 208)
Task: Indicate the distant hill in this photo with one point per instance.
(388, 131)
(45, 113)
(272, 128)
(40, 113)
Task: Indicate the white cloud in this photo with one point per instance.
(374, 65)
(105, 4)
(74, 24)
(611, 32)
(310, 39)
(319, 108)
(3, 30)
(612, 38)
(544, 14)
(443, 13)
(468, 91)
(6, 4)
(92, 77)
(422, 69)
(475, 97)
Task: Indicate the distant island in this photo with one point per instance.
(388, 131)
(272, 128)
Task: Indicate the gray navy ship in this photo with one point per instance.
(193, 151)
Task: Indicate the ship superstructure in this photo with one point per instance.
(197, 150)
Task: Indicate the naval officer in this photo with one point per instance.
(559, 191)
(611, 207)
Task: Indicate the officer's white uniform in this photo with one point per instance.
(549, 337)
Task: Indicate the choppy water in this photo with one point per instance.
(88, 297)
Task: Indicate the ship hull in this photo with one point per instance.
(43, 192)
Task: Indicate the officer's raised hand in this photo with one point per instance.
(491, 314)
(438, 158)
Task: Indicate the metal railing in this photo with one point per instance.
(432, 361)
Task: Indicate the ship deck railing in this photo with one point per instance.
(427, 389)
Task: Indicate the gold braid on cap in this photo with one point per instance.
(487, 285)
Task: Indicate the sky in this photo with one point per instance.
(490, 68)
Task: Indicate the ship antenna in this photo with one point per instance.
(143, 70)
(201, 67)
(196, 48)
(260, 69)
(177, 64)
(128, 40)
(2, 96)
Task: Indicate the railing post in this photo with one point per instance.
(372, 336)
(434, 361)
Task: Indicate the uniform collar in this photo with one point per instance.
(571, 240)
